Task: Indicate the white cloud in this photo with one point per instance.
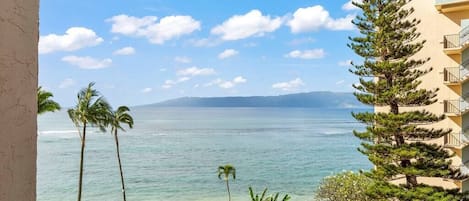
(306, 54)
(345, 63)
(340, 82)
(316, 17)
(239, 80)
(227, 53)
(205, 42)
(168, 28)
(170, 83)
(227, 84)
(130, 25)
(67, 83)
(349, 6)
(290, 85)
(171, 27)
(166, 86)
(87, 62)
(75, 38)
(125, 51)
(250, 24)
(183, 79)
(163, 69)
(179, 80)
(342, 23)
(146, 90)
(184, 60)
(213, 82)
(195, 71)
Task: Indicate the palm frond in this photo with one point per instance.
(44, 102)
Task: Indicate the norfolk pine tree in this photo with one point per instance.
(394, 141)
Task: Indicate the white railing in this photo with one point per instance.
(456, 107)
(456, 139)
(464, 170)
(457, 40)
(464, 36)
(439, 2)
(455, 74)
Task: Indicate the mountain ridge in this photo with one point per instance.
(315, 99)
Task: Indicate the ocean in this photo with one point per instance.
(172, 154)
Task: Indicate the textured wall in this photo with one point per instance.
(18, 83)
(433, 27)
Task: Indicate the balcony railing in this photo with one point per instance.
(456, 139)
(455, 75)
(452, 5)
(457, 40)
(451, 41)
(464, 36)
(439, 2)
(463, 169)
(455, 107)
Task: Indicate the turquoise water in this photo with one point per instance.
(172, 154)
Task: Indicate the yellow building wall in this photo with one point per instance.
(433, 27)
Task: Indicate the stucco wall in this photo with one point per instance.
(433, 27)
(18, 83)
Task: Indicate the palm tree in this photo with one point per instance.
(44, 103)
(121, 115)
(226, 171)
(91, 110)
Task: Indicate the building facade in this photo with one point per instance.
(454, 43)
(445, 27)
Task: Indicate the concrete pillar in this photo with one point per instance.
(18, 105)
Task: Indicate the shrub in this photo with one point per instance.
(262, 197)
(346, 186)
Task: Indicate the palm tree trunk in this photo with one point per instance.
(120, 165)
(228, 188)
(80, 180)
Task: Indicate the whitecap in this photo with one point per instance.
(59, 133)
(336, 132)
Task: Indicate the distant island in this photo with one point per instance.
(305, 100)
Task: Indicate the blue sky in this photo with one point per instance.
(145, 51)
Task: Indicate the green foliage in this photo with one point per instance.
(115, 118)
(419, 192)
(44, 102)
(346, 186)
(389, 78)
(121, 115)
(273, 197)
(226, 171)
(91, 109)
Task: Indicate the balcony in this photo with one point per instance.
(463, 170)
(456, 139)
(447, 6)
(456, 43)
(455, 108)
(455, 75)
